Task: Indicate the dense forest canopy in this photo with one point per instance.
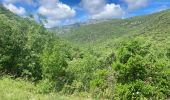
(121, 59)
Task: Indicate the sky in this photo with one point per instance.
(64, 12)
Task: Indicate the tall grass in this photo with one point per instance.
(19, 89)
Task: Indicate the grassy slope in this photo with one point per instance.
(95, 32)
(155, 27)
(147, 25)
(21, 90)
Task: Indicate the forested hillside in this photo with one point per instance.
(101, 32)
(125, 59)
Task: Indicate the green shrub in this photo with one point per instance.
(45, 86)
(141, 75)
(138, 90)
(99, 83)
(83, 70)
(54, 65)
(168, 54)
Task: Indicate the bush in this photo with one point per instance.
(140, 75)
(82, 70)
(45, 86)
(138, 90)
(99, 83)
(54, 65)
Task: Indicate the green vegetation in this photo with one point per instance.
(120, 59)
(19, 89)
(147, 25)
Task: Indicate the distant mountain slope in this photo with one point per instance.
(100, 32)
(89, 33)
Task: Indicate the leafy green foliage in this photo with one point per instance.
(54, 64)
(28, 50)
(19, 55)
(120, 59)
(152, 26)
(139, 73)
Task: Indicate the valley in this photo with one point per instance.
(116, 59)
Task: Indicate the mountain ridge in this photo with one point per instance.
(116, 27)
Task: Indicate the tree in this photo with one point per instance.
(54, 64)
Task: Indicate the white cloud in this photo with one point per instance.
(109, 11)
(161, 8)
(93, 6)
(136, 4)
(99, 9)
(51, 23)
(55, 11)
(9, 4)
(31, 2)
(14, 9)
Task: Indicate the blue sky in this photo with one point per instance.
(63, 12)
